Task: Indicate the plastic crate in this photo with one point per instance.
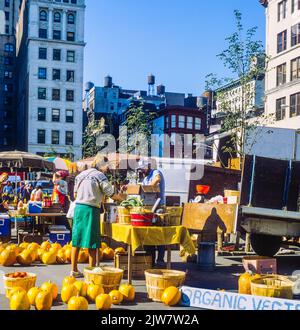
(59, 235)
(35, 207)
(5, 226)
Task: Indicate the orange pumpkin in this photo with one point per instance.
(78, 304)
(83, 257)
(67, 292)
(61, 257)
(20, 302)
(93, 291)
(128, 292)
(120, 250)
(32, 293)
(245, 282)
(49, 258)
(103, 302)
(14, 291)
(7, 258)
(68, 253)
(171, 296)
(46, 245)
(108, 254)
(116, 297)
(82, 288)
(25, 258)
(50, 287)
(68, 280)
(43, 301)
(40, 253)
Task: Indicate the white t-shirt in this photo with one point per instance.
(90, 187)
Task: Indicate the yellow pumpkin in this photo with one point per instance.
(7, 258)
(171, 296)
(34, 252)
(82, 288)
(50, 287)
(32, 293)
(13, 247)
(25, 258)
(24, 245)
(34, 246)
(43, 301)
(120, 250)
(67, 292)
(15, 290)
(19, 301)
(83, 257)
(68, 253)
(46, 245)
(61, 257)
(128, 292)
(116, 297)
(67, 246)
(93, 291)
(56, 246)
(40, 253)
(68, 280)
(49, 258)
(104, 245)
(78, 304)
(245, 282)
(103, 302)
(108, 254)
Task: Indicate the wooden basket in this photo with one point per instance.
(157, 280)
(175, 215)
(124, 215)
(26, 283)
(108, 277)
(275, 286)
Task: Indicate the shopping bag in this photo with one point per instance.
(70, 214)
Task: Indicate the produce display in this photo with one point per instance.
(17, 275)
(245, 282)
(132, 202)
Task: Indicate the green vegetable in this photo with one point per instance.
(132, 202)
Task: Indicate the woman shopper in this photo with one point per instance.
(90, 188)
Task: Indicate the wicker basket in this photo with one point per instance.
(157, 280)
(272, 286)
(124, 215)
(175, 215)
(108, 277)
(26, 283)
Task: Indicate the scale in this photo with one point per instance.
(202, 191)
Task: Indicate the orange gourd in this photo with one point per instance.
(171, 296)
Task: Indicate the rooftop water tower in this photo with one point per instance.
(108, 82)
(151, 84)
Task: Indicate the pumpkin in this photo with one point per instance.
(50, 287)
(82, 288)
(78, 304)
(116, 297)
(13, 247)
(104, 245)
(61, 257)
(25, 258)
(68, 253)
(40, 253)
(83, 257)
(68, 280)
(120, 250)
(108, 254)
(46, 245)
(15, 290)
(34, 252)
(128, 292)
(19, 301)
(93, 291)
(56, 246)
(43, 301)
(245, 282)
(34, 246)
(7, 258)
(49, 258)
(24, 245)
(103, 302)
(53, 250)
(171, 296)
(67, 292)
(32, 293)
(67, 246)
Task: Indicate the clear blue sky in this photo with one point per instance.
(176, 40)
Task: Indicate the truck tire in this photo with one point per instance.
(265, 245)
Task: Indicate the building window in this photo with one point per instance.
(71, 18)
(55, 137)
(42, 93)
(280, 108)
(8, 60)
(56, 74)
(70, 36)
(43, 15)
(281, 74)
(70, 56)
(9, 48)
(41, 114)
(70, 95)
(55, 94)
(43, 33)
(56, 55)
(295, 69)
(70, 75)
(55, 115)
(295, 105)
(281, 41)
(56, 34)
(8, 88)
(8, 74)
(282, 10)
(295, 5)
(42, 53)
(42, 73)
(190, 123)
(295, 35)
(181, 122)
(197, 124)
(167, 122)
(69, 116)
(173, 121)
(69, 138)
(57, 17)
(41, 136)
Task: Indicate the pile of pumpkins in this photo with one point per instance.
(75, 294)
(48, 253)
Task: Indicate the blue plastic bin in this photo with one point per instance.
(5, 226)
(35, 207)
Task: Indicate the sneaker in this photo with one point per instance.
(76, 274)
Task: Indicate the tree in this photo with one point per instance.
(93, 130)
(247, 62)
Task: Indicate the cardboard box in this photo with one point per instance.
(260, 265)
(149, 194)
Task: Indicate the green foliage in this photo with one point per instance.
(93, 130)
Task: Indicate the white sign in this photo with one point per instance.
(220, 300)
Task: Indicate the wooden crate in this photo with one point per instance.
(141, 261)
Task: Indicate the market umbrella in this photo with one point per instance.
(18, 161)
(63, 164)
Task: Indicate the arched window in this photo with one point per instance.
(57, 17)
(71, 19)
(43, 15)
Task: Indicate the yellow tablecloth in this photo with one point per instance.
(141, 236)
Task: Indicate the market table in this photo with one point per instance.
(41, 217)
(136, 237)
